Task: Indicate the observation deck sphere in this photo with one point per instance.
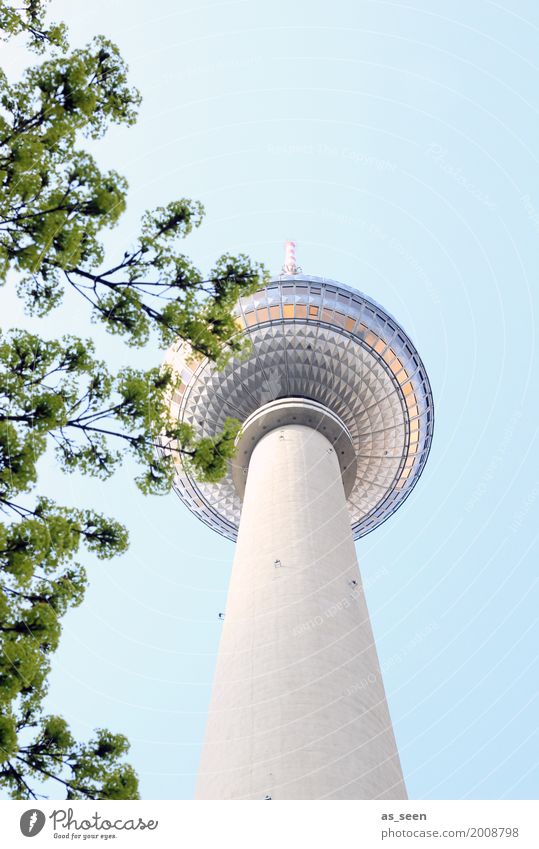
(316, 339)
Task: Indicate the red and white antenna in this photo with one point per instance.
(290, 266)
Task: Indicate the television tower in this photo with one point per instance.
(337, 421)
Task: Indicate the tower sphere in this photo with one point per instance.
(336, 355)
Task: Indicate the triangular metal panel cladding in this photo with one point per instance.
(370, 418)
(349, 388)
(303, 341)
(355, 366)
(223, 502)
(340, 366)
(352, 380)
(359, 368)
(376, 374)
(321, 392)
(230, 504)
(360, 477)
(379, 488)
(195, 392)
(391, 422)
(322, 346)
(358, 508)
(375, 473)
(389, 412)
(396, 426)
(360, 407)
(365, 450)
(301, 335)
(230, 407)
(363, 505)
(242, 367)
(268, 346)
(263, 351)
(301, 357)
(188, 415)
(341, 406)
(215, 420)
(272, 377)
(345, 370)
(366, 438)
(201, 423)
(297, 386)
(334, 402)
(372, 499)
(394, 439)
(387, 407)
(368, 367)
(318, 373)
(334, 397)
(349, 403)
(264, 345)
(321, 365)
(243, 391)
(240, 393)
(264, 364)
(251, 382)
(216, 401)
(321, 342)
(387, 477)
(303, 371)
(279, 350)
(387, 387)
(361, 375)
(328, 365)
(374, 389)
(368, 433)
(368, 500)
(347, 417)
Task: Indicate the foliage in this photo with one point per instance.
(92, 770)
(55, 202)
(28, 17)
(55, 205)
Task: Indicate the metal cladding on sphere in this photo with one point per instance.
(315, 339)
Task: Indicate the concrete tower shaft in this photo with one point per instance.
(337, 422)
(298, 709)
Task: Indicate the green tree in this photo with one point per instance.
(58, 395)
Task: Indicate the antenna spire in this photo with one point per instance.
(290, 266)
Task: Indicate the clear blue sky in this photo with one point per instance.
(396, 143)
